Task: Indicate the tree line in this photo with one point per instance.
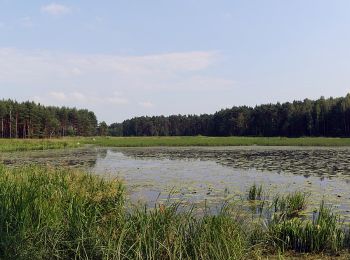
(322, 117)
(31, 120)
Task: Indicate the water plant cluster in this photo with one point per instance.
(48, 213)
(289, 228)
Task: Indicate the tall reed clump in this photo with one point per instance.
(289, 205)
(65, 214)
(47, 213)
(323, 233)
(255, 192)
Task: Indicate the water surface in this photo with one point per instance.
(210, 175)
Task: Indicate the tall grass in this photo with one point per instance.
(215, 141)
(10, 145)
(323, 233)
(255, 192)
(48, 213)
(290, 205)
(64, 214)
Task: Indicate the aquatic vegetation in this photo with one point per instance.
(255, 192)
(290, 205)
(50, 213)
(323, 233)
(58, 213)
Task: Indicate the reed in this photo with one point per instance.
(57, 213)
(255, 192)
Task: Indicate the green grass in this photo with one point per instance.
(324, 233)
(290, 205)
(255, 192)
(9, 145)
(50, 213)
(64, 214)
(216, 141)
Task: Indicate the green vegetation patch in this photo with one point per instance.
(215, 141)
(48, 213)
(10, 145)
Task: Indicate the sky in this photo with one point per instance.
(126, 58)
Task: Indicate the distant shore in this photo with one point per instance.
(9, 145)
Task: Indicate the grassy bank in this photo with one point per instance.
(217, 141)
(8, 145)
(63, 214)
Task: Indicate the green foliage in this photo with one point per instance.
(50, 213)
(215, 141)
(290, 205)
(10, 145)
(31, 120)
(63, 214)
(322, 117)
(46, 213)
(102, 129)
(323, 233)
(255, 192)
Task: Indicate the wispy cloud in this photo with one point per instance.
(115, 84)
(146, 104)
(79, 98)
(157, 71)
(55, 9)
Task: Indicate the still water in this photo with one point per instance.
(210, 175)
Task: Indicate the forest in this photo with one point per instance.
(323, 117)
(31, 120)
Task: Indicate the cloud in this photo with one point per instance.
(79, 98)
(158, 71)
(55, 9)
(58, 95)
(121, 86)
(146, 104)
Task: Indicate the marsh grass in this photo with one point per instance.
(64, 214)
(11, 145)
(48, 213)
(290, 205)
(255, 192)
(324, 233)
(215, 141)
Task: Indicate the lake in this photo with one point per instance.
(210, 175)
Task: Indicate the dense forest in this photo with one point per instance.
(31, 120)
(322, 117)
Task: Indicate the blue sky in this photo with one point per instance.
(131, 58)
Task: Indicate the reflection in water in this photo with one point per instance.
(210, 175)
